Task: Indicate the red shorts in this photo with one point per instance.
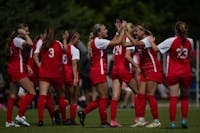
(121, 73)
(185, 82)
(152, 76)
(16, 76)
(57, 83)
(96, 77)
(69, 78)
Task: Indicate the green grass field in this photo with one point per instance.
(125, 117)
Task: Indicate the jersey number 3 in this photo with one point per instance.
(51, 52)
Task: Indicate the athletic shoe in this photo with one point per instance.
(105, 125)
(154, 124)
(70, 122)
(139, 124)
(172, 125)
(184, 123)
(115, 124)
(40, 123)
(22, 120)
(81, 116)
(11, 124)
(57, 118)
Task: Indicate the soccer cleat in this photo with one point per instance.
(11, 124)
(184, 123)
(70, 122)
(139, 124)
(154, 124)
(105, 125)
(40, 123)
(22, 120)
(81, 116)
(115, 124)
(57, 118)
(172, 125)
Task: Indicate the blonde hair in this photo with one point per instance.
(130, 28)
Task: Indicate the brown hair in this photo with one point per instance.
(145, 28)
(96, 29)
(72, 36)
(181, 30)
(13, 35)
(48, 41)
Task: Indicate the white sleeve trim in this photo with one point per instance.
(146, 42)
(18, 42)
(165, 45)
(101, 43)
(38, 46)
(75, 53)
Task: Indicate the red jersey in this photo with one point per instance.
(72, 54)
(51, 61)
(178, 58)
(18, 60)
(148, 59)
(121, 65)
(31, 63)
(98, 69)
(99, 58)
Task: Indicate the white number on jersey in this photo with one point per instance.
(118, 50)
(182, 54)
(51, 52)
(64, 59)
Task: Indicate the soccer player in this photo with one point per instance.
(178, 75)
(51, 73)
(34, 63)
(98, 71)
(120, 72)
(151, 75)
(70, 61)
(18, 74)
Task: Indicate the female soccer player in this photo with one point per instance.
(51, 73)
(178, 75)
(18, 73)
(120, 72)
(151, 75)
(72, 78)
(98, 70)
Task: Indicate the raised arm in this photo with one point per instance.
(153, 44)
(134, 41)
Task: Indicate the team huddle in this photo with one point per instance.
(55, 64)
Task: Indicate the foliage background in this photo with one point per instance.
(81, 15)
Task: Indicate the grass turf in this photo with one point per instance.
(124, 116)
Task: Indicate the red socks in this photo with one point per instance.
(172, 107)
(141, 105)
(136, 101)
(184, 106)
(102, 110)
(41, 105)
(73, 110)
(113, 109)
(50, 104)
(23, 106)
(62, 108)
(153, 105)
(91, 106)
(10, 104)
